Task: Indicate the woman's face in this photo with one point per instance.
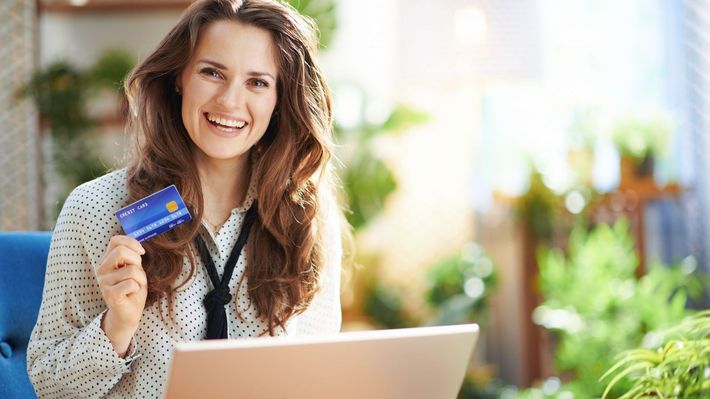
(229, 89)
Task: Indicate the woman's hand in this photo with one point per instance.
(124, 286)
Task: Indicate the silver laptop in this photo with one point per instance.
(411, 363)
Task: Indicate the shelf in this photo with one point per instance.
(67, 6)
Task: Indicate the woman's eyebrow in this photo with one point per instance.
(261, 75)
(224, 67)
(213, 63)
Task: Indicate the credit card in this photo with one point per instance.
(154, 214)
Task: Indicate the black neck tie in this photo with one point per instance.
(219, 297)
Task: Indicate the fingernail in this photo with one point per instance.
(142, 251)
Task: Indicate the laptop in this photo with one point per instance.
(411, 363)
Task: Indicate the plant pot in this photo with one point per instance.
(646, 167)
(633, 171)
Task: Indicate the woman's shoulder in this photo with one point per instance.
(94, 202)
(108, 190)
(89, 210)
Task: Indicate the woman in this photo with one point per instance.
(232, 109)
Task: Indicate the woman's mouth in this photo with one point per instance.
(225, 124)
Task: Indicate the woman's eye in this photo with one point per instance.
(211, 72)
(260, 83)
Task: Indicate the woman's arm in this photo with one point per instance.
(69, 355)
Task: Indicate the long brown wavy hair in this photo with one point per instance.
(286, 249)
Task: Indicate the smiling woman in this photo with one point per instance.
(228, 90)
(233, 110)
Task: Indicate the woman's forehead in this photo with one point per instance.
(237, 45)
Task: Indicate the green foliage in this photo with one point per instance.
(366, 178)
(460, 286)
(368, 182)
(384, 306)
(60, 91)
(403, 117)
(323, 13)
(640, 139)
(459, 289)
(680, 368)
(551, 388)
(597, 308)
(537, 207)
(110, 69)
(493, 389)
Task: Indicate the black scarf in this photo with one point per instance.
(217, 299)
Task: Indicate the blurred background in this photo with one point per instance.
(534, 166)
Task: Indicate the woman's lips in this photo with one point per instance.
(220, 128)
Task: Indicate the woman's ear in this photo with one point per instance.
(178, 85)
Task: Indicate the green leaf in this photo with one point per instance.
(367, 182)
(323, 12)
(404, 117)
(624, 373)
(111, 69)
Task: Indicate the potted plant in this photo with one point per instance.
(62, 94)
(538, 208)
(595, 306)
(460, 285)
(639, 143)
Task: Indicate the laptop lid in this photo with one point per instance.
(411, 363)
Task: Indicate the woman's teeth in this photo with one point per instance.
(230, 123)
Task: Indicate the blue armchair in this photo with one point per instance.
(23, 259)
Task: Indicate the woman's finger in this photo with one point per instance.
(134, 272)
(127, 241)
(116, 294)
(122, 240)
(119, 256)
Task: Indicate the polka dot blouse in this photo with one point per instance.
(69, 356)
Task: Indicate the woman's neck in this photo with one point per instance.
(224, 182)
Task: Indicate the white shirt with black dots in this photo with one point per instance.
(69, 356)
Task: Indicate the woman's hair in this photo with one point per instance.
(285, 250)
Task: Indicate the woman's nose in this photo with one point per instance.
(232, 96)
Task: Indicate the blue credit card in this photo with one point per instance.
(154, 214)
